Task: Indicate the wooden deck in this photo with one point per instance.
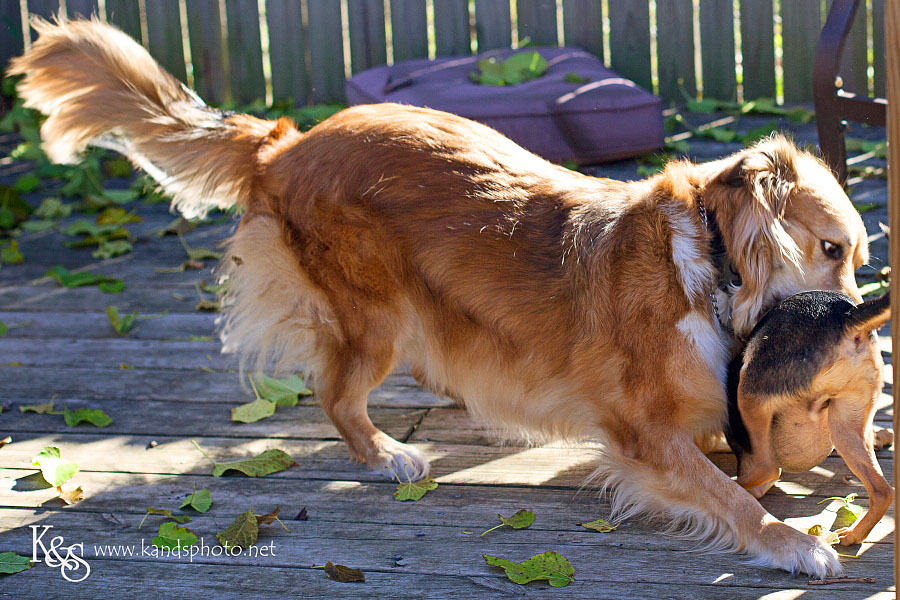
(176, 390)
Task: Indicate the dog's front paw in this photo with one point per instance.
(786, 548)
(398, 461)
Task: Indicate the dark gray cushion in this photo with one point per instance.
(607, 118)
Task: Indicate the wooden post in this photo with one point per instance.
(892, 64)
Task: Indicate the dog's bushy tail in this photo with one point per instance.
(98, 86)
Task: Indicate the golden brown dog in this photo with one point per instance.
(545, 301)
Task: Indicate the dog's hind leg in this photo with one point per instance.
(351, 371)
(669, 477)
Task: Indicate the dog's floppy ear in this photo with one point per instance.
(870, 315)
(750, 194)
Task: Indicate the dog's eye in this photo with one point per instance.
(825, 405)
(832, 250)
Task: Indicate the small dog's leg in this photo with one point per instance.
(349, 378)
(670, 475)
(853, 437)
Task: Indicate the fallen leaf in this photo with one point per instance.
(41, 409)
(414, 490)
(265, 463)
(302, 515)
(575, 78)
(73, 280)
(242, 533)
(112, 249)
(521, 519)
(94, 416)
(71, 496)
(344, 574)
(208, 305)
(173, 537)
(283, 392)
(121, 324)
(269, 517)
(179, 226)
(53, 208)
(199, 500)
(847, 514)
(8, 440)
(54, 469)
(164, 512)
(600, 525)
(550, 565)
(253, 411)
(11, 255)
(4, 328)
(114, 215)
(10, 562)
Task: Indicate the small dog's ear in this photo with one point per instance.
(752, 196)
(870, 315)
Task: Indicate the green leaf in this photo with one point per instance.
(705, 106)
(242, 533)
(120, 196)
(11, 255)
(252, 412)
(95, 230)
(55, 470)
(112, 249)
(679, 146)
(113, 286)
(27, 183)
(10, 562)
(199, 500)
(117, 167)
(720, 134)
(173, 537)
(283, 392)
(414, 490)
(575, 78)
(516, 69)
(37, 225)
(343, 573)
(72, 280)
(53, 208)
(94, 416)
(550, 565)
(266, 463)
(114, 215)
(521, 519)
(848, 513)
(600, 525)
(862, 207)
(4, 328)
(121, 324)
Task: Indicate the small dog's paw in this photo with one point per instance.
(398, 461)
(849, 537)
(786, 548)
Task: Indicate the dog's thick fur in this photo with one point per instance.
(545, 301)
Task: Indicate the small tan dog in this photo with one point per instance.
(545, 301)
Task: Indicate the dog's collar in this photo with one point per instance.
(726, 277)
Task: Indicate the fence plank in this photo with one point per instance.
(164, 33)
(878, 46)
(854, 58)
(409, 29)
(629, 40)
(675, 48)
(717, 49)
(126, 15)
(801, 24)
(81, 8)
(245, 51)
(758, 49)
(205, 31)
(287, 39)
(326, 50)
(12, 42)
(536, 19)
(583, 25)
(368, 47)
(493, 27)
(451, 28)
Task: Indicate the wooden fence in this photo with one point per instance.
(244, 50)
